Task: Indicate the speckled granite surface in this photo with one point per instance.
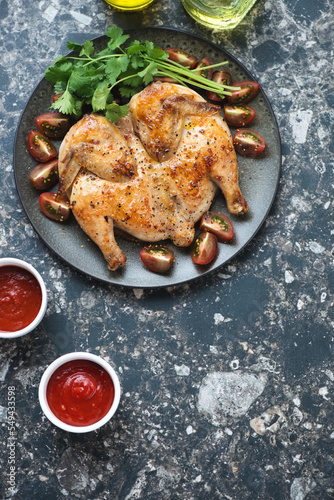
(227, 383)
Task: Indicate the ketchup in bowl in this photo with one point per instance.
(80, 392)
(20, 298)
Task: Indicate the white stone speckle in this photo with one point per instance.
(300, 487)
(323, 391)
(218, 318)
(138, 292)
(228, 394)
(315, 247)
(3, 414)
(182, 370)
(300, 121)
(300, 305)
(288, 276)
(81, 18)
(4, 370)
(87, 300)
(50, 13)
(297, 401)
(190, 430)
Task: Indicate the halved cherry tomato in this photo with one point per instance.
(238, 115)
(53, 125)
(157, 258)
(248, 142)
(204, 248)
(217, 224)
(206, 73)
(182, 57)
(45, 175)
(56, 207)
(41, 148)
(247, 92)
(222, 77)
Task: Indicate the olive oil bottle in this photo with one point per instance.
(129, 5)
(218, 14)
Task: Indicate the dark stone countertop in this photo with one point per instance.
(227, 382)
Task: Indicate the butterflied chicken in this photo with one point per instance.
(153, 174)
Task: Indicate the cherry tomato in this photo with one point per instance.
(182, 57)
(217, 224)
(157, 258)
(248, 90)
(248, 142)
(238, 115)
(45, 175)
(53, 125)
(206, 73)
(204, 248)
(56, 97)
(222, 77)
(56, 207)
(41, 147)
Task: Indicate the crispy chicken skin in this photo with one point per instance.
(153, 174)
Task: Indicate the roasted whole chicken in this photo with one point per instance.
(152, 175)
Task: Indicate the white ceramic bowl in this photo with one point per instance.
(8, 261)
(42, 394)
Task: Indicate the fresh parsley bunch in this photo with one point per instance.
(92, 78)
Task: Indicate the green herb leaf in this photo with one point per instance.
(116, 37)
(115, 111)
(128, 91)
(114, 67)
(66, 103)
(59, 71)
(100, 96)
(148, 73)
(87, 48)
(74, 46)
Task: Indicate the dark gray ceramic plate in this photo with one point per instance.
(259, 179)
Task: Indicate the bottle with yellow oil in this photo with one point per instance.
(218, 14)
(129, 5)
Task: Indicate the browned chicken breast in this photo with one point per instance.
(153, 174)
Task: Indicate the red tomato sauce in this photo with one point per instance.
(20, 298)
(80, 392)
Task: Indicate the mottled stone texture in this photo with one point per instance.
(261, 327)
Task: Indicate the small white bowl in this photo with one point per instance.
(8, 261)
(42, 393)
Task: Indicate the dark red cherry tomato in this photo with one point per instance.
(217, 224)
(41, 148)
(201, 67)
(182, 57)
(45, 175)
(56, 207)
(248, 142)
(204, 248)
(157, 258)
(238, 115)
(53, 125)
(247, 92)
(222, 77)
(56, 97)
